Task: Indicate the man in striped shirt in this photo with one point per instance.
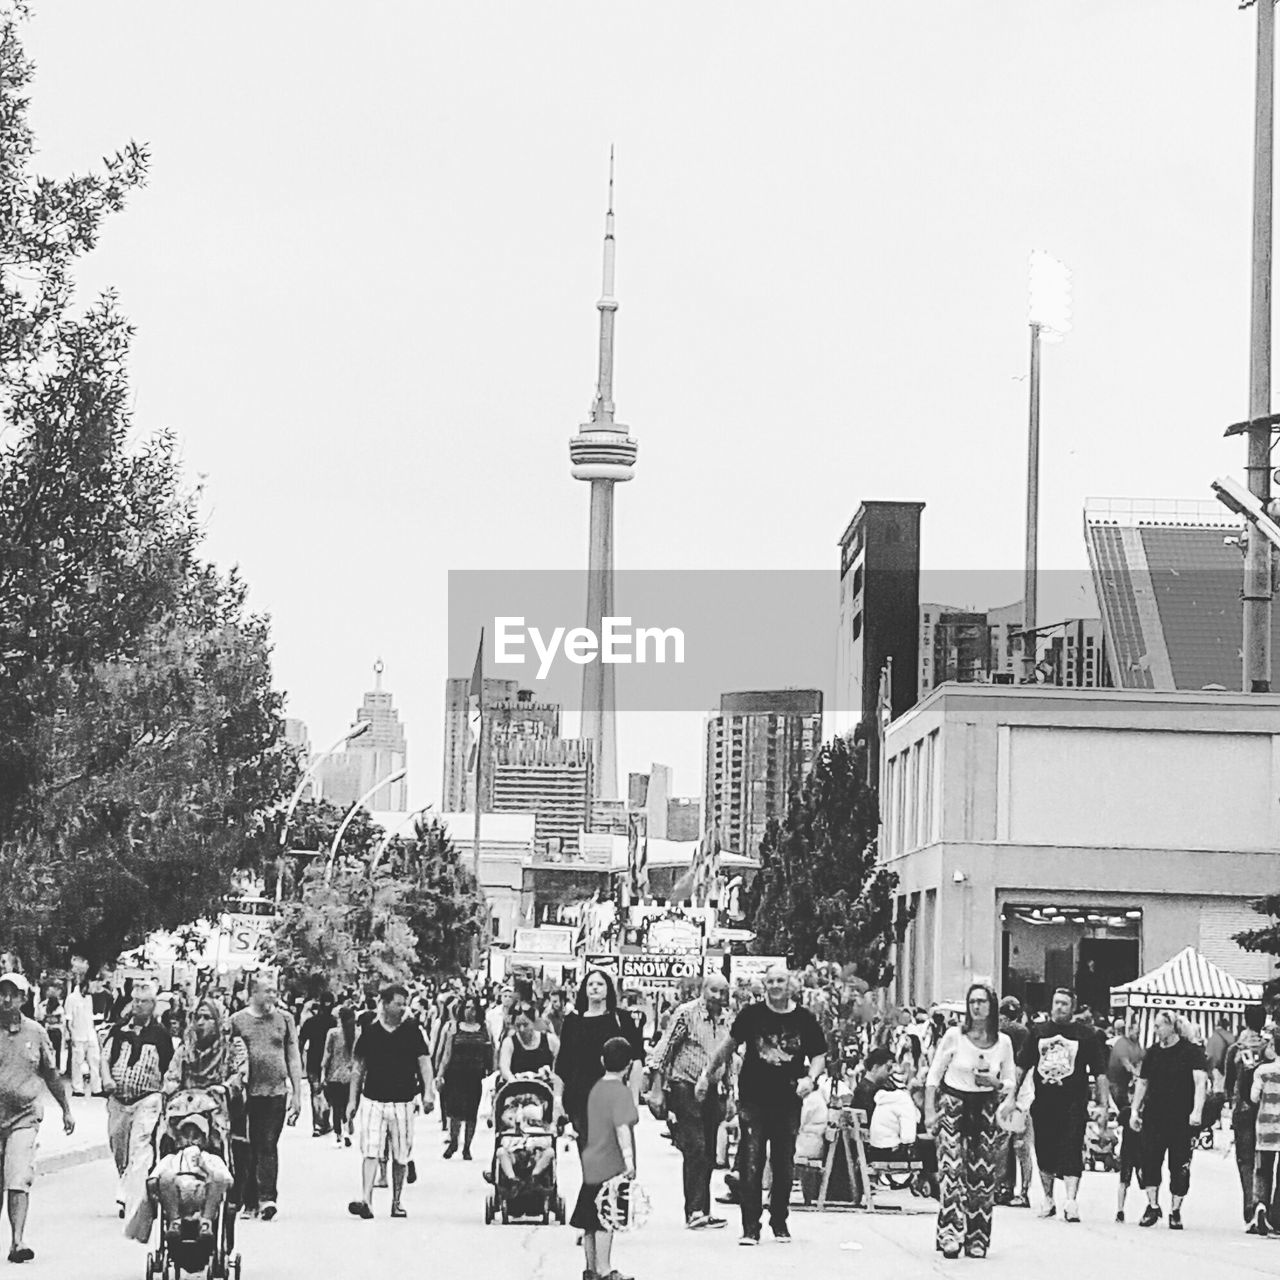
(692, 1036)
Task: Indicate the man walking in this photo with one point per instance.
(390, 1068)
(784, 1058)
(1063, 1055)
(274, 1091)
(27, 1067)
(1168, 1107)
(311, 1038)
(85, 1057)
(1123, 1065)
(687, 1046)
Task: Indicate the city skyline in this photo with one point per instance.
(339, 401)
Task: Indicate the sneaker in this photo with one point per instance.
(1048, 1210)
(749, 1238)
(1175, 1219)
(359, 1209)
(1260, 1226)
(1070, 1212)
(1019, 1202)
(1119, 1215)
(268, 1211)
(1150, 1216)
(698, 1221)
(727, 1198)
(976, 1251)
(713, 1222)
(782, 1235)
(398, 1211)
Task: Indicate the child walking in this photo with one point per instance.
(610, 1152)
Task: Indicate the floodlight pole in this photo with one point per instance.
(1258, 553)
(1033, 516)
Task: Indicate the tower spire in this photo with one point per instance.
(602, 409)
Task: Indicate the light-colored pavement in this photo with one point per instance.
(77, 1236)
(58, 1150)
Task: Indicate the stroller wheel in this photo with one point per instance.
(506, 1213)
(235, 1267)
(488, 1209)
(152, 1266)
(560, 1214)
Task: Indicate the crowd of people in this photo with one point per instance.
(748, 1077)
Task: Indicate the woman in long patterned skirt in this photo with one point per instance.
(972, 1078)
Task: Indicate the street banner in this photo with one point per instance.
(751, 968)
(650, 969)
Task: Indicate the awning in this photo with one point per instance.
(1189, 982)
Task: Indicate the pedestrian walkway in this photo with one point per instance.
(77, 1235)
(58, 1150)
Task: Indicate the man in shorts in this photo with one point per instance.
(391, 1067)
(1064, 1055)
(27, 1067)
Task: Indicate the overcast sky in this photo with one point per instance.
(364, 271)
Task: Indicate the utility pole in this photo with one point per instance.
(1258, 554)
(1029, 602)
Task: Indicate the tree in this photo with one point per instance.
(1267, 938)
(141, 744)
(821, 893)
(444, 909)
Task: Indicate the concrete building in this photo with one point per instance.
(296, 735)
(550, 778)
(684, 818)
(649, 793)
(1079, 837)
(879, 615)
(509, 712)
(346, 777)
(760, 747)
(604, 454)
(506, 854)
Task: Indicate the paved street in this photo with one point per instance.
(77, 1236)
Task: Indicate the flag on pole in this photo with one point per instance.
(642, 872)
(884, 700)
(475, 709)
(633, 856)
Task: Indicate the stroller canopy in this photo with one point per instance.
(1190, 985)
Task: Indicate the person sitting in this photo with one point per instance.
(811, 1144)
(528, 1146)
(191, 1181)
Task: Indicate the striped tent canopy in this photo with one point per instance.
(1190, 985)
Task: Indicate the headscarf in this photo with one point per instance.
(204, 1066)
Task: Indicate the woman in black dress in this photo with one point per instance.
(595, 1020)
(466, 1060)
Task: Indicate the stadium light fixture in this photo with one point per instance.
(1235, 497)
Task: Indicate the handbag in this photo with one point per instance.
(1012, 1119)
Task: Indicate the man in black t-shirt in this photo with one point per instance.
(311, 1038)
(1064, 1055)
(391, 1067)
(1168, 1107)
(783, 1060)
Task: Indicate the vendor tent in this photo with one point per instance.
(1189, 985)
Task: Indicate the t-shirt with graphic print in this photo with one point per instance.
(1065, 1057)
(777, 1050)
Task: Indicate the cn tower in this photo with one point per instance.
(602, 453)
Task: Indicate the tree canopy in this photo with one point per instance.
(1266, 938)
(821, 892)
(141, 744)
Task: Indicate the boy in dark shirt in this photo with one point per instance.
(609, 1152)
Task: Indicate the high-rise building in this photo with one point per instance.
(378, 753)
(509, 712)
(647, 793)
(604, 454)
(965, 646)
(684, 818)
(879, 615)
(549, 778)
(296, 735)
(760, 747)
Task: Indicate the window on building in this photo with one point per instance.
(857, 580)
(857, 624)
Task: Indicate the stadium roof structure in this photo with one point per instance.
(1168, 576)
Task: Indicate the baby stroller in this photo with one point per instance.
(215, 1259)
(523, 1173)
(1101, 1147)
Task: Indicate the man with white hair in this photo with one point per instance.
(137, 1055)
(784, 1058)
(688, 1044)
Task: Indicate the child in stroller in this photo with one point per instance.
(1101, 1146)
(523, 1172)
(191, 1182)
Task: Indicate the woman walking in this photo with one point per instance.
(335, 1071)
(596, 1019)
(466, 1060)
(971, 1079)
(526, 1051)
